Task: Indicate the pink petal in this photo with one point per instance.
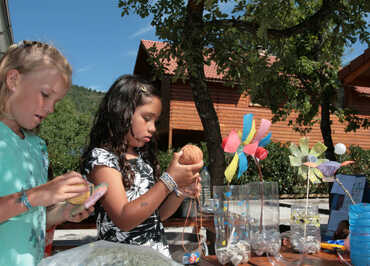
(232, 143)
(251, 148)
(264, 127)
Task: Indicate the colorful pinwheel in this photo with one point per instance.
(246, 143)
(328, 168)
(302, 156)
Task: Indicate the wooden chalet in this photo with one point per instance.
(181, 124)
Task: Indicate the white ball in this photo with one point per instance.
(340, 149)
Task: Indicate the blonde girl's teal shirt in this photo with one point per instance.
(23, 165)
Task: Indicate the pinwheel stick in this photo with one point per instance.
(262, 190)
(344, 189)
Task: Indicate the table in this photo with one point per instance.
(319, 259)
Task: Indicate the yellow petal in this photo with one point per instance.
(231, 169)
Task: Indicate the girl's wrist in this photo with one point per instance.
(171, 185)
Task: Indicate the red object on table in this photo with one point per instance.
(49, 237)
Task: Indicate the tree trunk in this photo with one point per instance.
(325, 127)
(208, 116)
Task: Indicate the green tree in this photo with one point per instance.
(306, 37)
(65, 132)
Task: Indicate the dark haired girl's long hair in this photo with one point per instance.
(112, 123)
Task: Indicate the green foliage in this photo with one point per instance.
(362, 161)
(85, 100)
(164, 158)
(307, 39)
(66, 130)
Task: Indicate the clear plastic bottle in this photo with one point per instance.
(206, 185)
(305, 228)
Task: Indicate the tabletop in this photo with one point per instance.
(287, 258)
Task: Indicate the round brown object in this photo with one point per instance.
(191, 154)
(81, 198)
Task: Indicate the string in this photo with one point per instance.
(195, 202)
(342, 259)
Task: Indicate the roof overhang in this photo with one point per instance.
(6, 33)
(357, 72)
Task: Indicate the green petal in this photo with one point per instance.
(302, 173)
(320, 161)
(303, 144)
(318, 173)
(295, 161)
(313, 177)
(318, 149)
(294, 150)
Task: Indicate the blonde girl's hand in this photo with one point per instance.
(62, 212)
(59, 189)
(183, 175)
(70, 216)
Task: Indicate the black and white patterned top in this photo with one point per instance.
(151, 231)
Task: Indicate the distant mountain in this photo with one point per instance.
(86, 100)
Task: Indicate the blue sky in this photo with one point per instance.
(99, 43)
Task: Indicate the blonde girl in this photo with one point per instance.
(33, 77)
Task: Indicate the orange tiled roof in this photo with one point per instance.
(209, 71)
(362, 90)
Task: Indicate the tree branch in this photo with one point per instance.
(312, 23)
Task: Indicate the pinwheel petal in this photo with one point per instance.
(329, 168)
(313, 177)
(224, 140)
(261, 153)
(302, 173)
(318, 173)
(310, 164)
(232, 143)
(346, 163)
(262, 130)
(243, 164)
(294, 150)
(266, 140)
(318, 149)
(251, 134)
(295, 161)
(231, 169)
(303, 145)
(247, 125)
(251, 148)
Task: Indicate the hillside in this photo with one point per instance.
(86, 100)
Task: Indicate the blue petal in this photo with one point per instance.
(247, 125)
(266, 140)
(243, 164)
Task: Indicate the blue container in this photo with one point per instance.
(359, 226)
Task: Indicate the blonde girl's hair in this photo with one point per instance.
(28, 56)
